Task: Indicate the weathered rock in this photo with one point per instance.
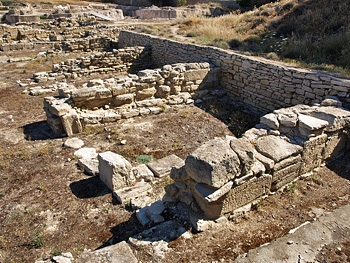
(139, 190)
(89, 166)
(163, 166)
(71, 123)
(74, 143)
(142, 171)
(276, 148)
(270, 120)
(115, 170)
(313, 153)
(214, 163)
(336, 117)
(311, 123)
(118, 253)
(86, 153)
(151, 214)
(245, 151)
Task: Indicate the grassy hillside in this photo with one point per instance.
(316, 32)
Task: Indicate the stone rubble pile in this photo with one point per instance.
(225, 174)
(148, 92)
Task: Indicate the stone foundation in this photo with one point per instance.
(148, 92)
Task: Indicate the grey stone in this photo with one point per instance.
(311, 123)
(337, 118)
(139, 190)
(74, 143)
(210, 194)
(245, 151)
(89, 166)
(115, 170)
(86, 153)
(270, 120)
(118, 253)
(276, 148)
(163, 166)
(214, 163)
(142, 171)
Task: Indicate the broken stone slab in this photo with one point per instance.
(166, 231)
(118, 253)
(162, 167)
(276, 148)
(214, 163)
(211, 194)
(245, 151)
(254, 133)
(142, 171)
(86, 153)
(139, 190)
(267, 162)
(89, 166)
(288, 120)
(74, 143)
(311, 123)
(246, 193)
(151, 213)
(337, 118)
(270, 120)
(71, 123)
(331, 101)
(115, 170)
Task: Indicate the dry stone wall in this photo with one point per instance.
(148, 92)
(118, 61)
(261, 85)
(225, 174)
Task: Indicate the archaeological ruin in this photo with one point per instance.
(302, 124)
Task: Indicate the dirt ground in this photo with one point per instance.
(49, 206)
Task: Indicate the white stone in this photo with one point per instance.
(74, 143)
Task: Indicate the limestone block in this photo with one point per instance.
(150, 103)
(331, 101)
(162, 167)
(54, 122)
(276, 148)
(146, 93)
(246, 193)
(275, 185)
(214, 163)
(210, 194)
(313, 153)
(71, 123)
(245, 152)
(74, 143)
(267, 162)
(83, 93)
(163, 91)
(86, 153)
(191, 75)
(254, 133)
(287, 162)
(120, 252)
(178, 173)
(103, 93)
(115, 170)
(286, 172)
(89, 166)
(270, 120)
(143, 172)
(130, 113)
(139, 190)
(336, 117)
(311, 123)
(336, 142)
(60, 108)
(123, 99)
(289, 120)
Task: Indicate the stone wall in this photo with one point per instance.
(118, 61)
(260, 84)
(148, 92)
(225, 174)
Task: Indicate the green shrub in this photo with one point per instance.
(143, 158)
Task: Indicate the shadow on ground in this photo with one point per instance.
(341, 165)
(88, 188)
(39, 131)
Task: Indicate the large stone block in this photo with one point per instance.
(71, 123)
(214, 163)
(336, 117)
(115, 170)
(276, 148)
(246, 193)
(162, 167)
(245, 151)
(313, 153)
(286, 172)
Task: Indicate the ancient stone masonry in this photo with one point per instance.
(259, 84)
(147, 92)
(117, 61)
(225, 174)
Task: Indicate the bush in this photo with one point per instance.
(143, 158)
